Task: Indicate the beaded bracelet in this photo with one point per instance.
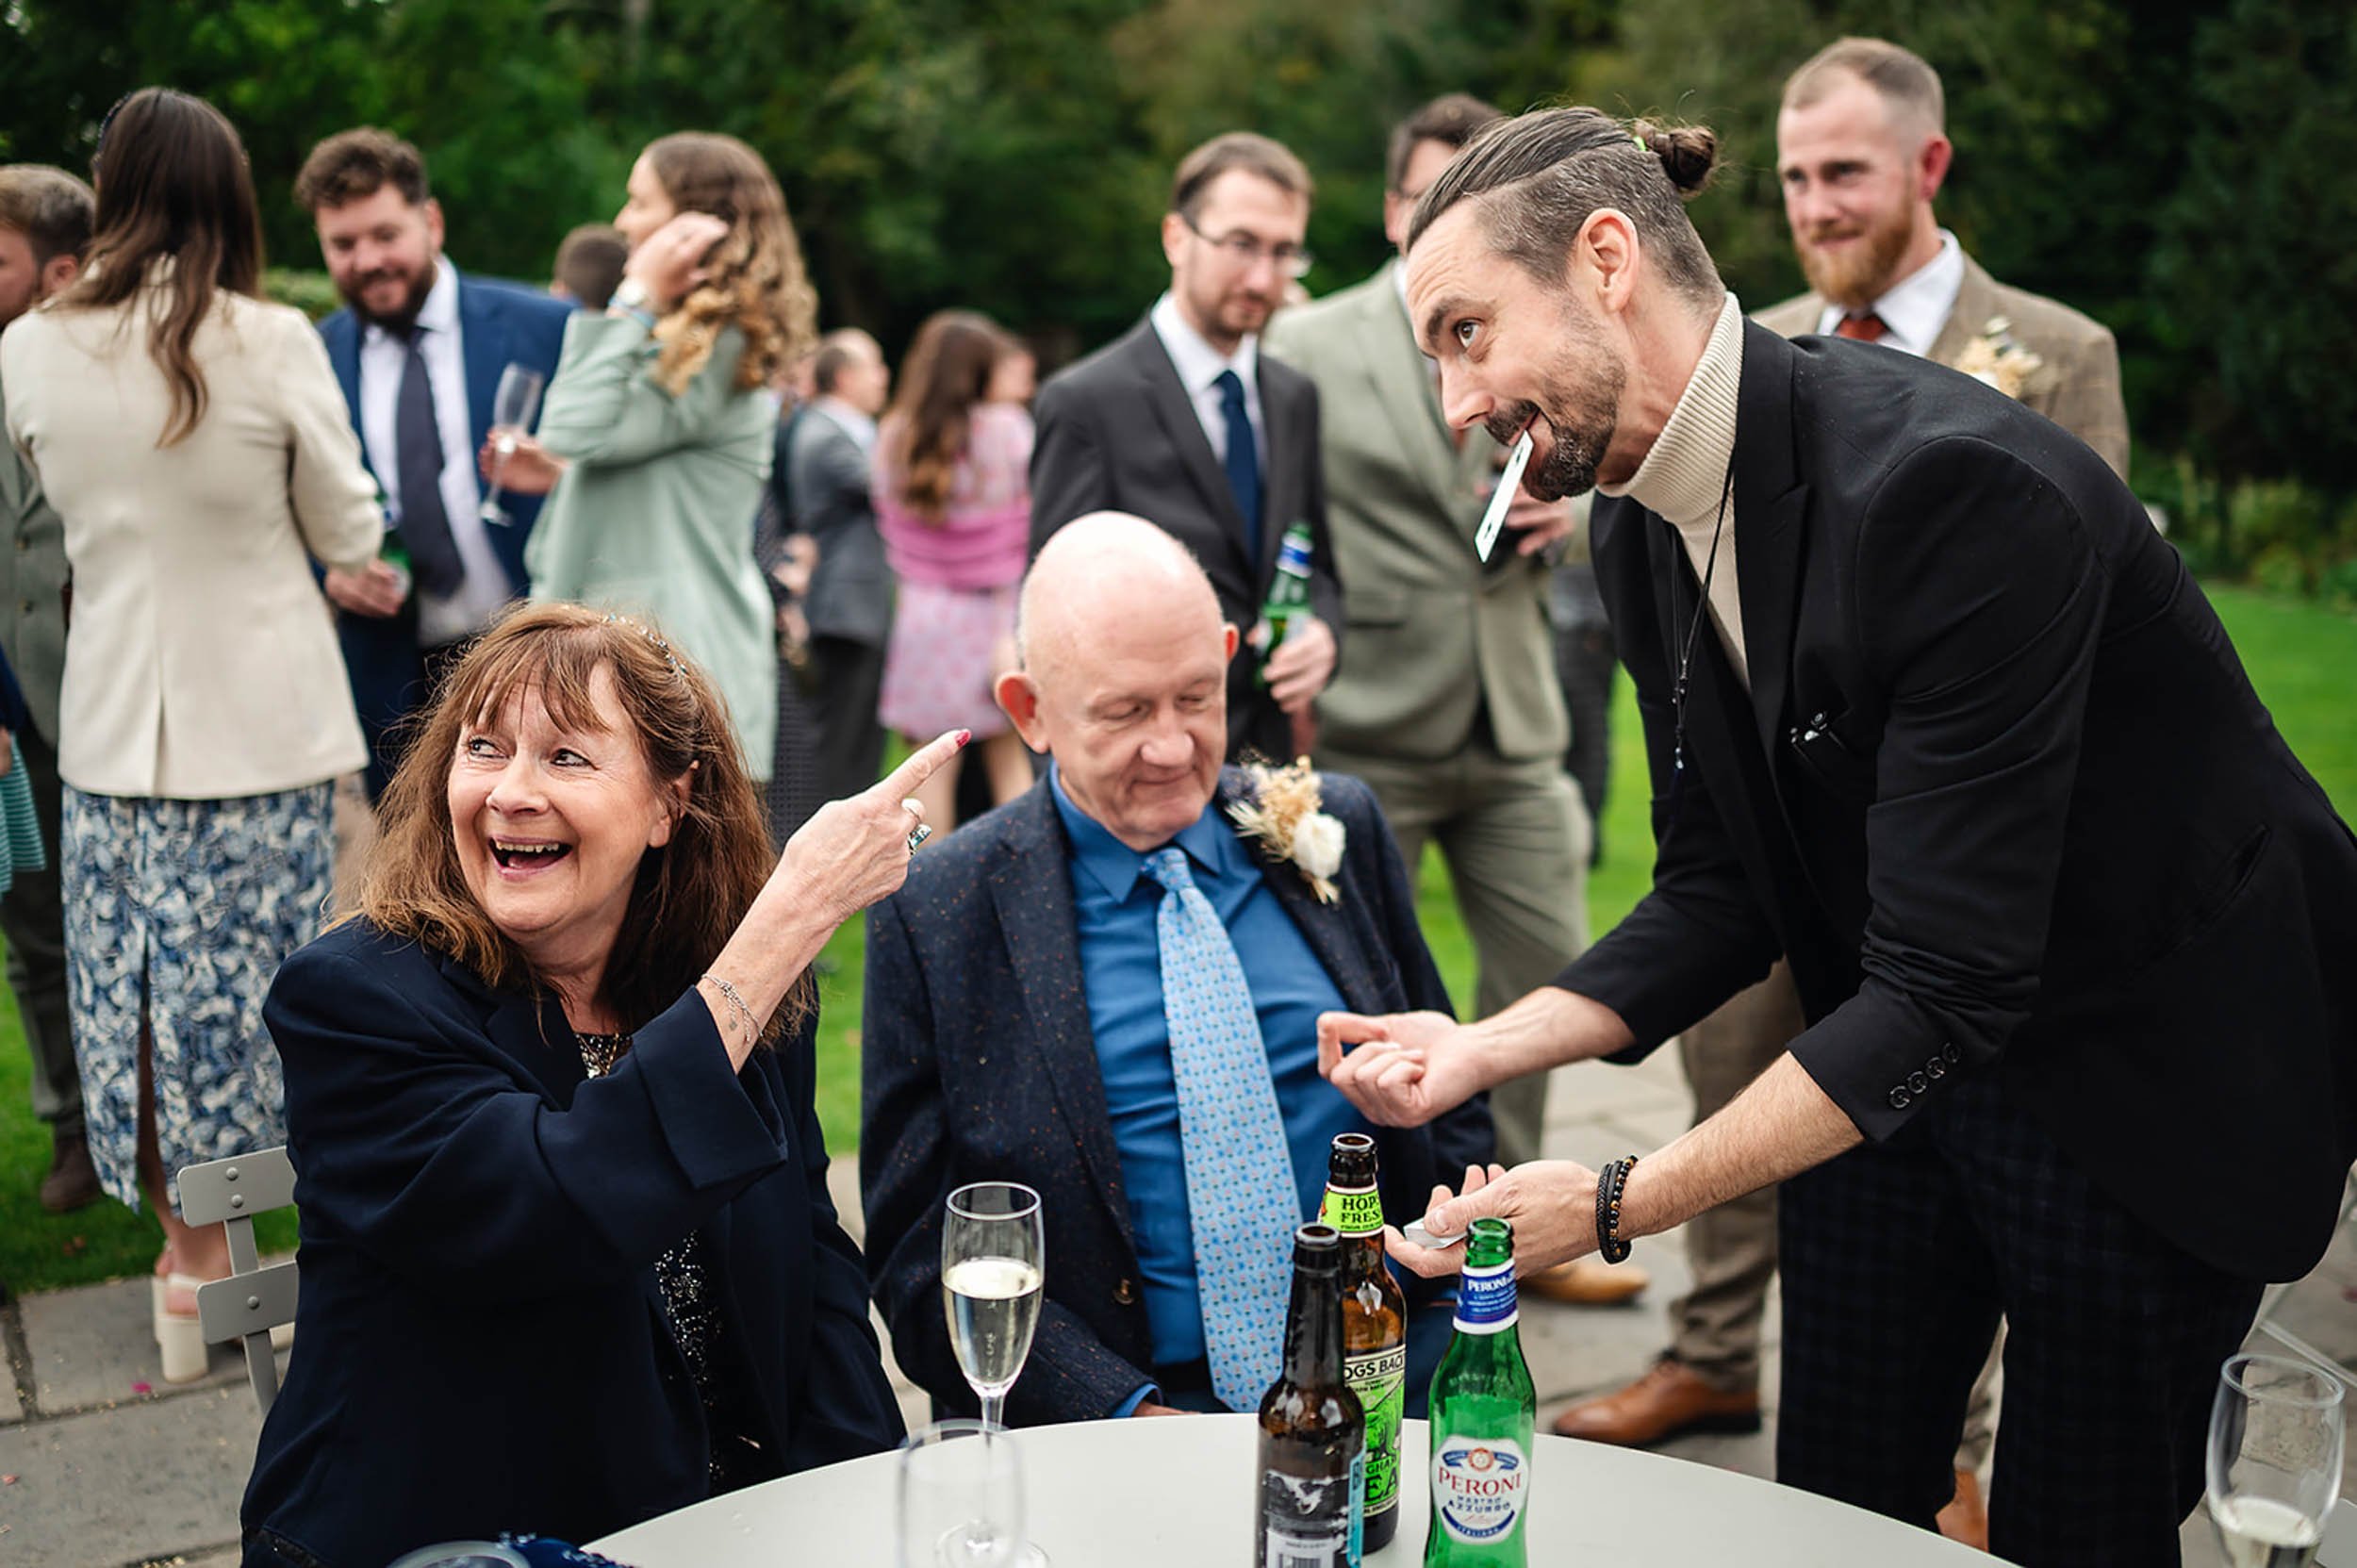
(1611, 1182)
(744, 1015)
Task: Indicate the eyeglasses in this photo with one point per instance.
(1289, 261)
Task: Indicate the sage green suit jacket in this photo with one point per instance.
(2077, 386)
(1433, 634)
(32, 589)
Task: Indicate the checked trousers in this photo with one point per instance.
(1898, 1260)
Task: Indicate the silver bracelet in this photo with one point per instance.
(736, 1005)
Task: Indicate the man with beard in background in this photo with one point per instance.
(418, 350)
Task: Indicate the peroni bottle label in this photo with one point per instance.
(1485, 1298)
(1479, 1485)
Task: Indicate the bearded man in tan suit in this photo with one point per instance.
(1861, 150)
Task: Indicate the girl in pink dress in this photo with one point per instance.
(954, 501)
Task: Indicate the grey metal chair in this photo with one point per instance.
(253, 1299)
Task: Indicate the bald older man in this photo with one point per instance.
(1106, 991)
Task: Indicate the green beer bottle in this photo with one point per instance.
(1374, 1324)
(1287, 590)
(1484, 1409)
(1313, 1436)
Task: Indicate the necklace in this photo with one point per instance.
(1693, 635)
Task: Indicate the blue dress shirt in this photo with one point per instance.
(1121, 969)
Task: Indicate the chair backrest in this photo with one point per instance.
(2339, 1549)
(253, 1300)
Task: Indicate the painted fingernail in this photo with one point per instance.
(964, 735)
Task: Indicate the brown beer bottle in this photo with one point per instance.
(1314, 1437)
(1374, 1324)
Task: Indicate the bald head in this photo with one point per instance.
(851, 366)
(1125, 675)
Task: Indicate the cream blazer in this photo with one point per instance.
(200, 660)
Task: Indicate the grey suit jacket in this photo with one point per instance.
(1116, 432)
(850, 591)
(2077, 386)
(1434, 634)
(33, 580)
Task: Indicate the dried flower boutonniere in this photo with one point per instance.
(1999, 358)
(1281, 814)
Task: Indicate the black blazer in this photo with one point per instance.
(2004, 794)
(1118, 433)
(481, 1344)
(979, 1063)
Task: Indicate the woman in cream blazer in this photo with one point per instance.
(194, 443)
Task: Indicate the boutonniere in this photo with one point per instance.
(1999, 358)
(1281, 815)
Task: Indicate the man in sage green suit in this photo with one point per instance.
(45, 217)
(1445, 699)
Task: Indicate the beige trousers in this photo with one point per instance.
(1515, 835)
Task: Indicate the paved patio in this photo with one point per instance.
(102, 1466)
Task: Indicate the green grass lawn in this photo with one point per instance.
(2302, 658)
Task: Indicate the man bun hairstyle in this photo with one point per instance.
(1539, 178)
(354, 165)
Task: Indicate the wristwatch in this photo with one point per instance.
(630, 297)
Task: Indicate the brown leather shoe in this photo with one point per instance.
(1666, 1401)
(72, 1180)
(1966, 1517)
(1587, 1282)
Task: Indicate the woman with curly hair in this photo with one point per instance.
(659, 426)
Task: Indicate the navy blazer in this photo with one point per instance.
(979, 1063)
(482, 1344)
(1117, 431)
(499, 325)
(2002, 792)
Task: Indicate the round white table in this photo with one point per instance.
(1179, 1493)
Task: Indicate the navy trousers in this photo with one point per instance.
(1899, 1259)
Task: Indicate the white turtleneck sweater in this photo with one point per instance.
(1683, 477)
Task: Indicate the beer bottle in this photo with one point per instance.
(1484, 1409)
(1374, 1324)
(1287, 590)
(1313, 1436)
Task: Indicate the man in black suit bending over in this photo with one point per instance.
(1933, 710)
(1183, 420)
(1108, 990)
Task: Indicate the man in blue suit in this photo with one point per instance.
(418, 350)
(1109, 991)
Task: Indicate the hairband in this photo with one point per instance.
(652, 635)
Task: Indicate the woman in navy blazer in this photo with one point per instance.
(569, 1260)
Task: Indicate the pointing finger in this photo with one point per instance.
(922, 763)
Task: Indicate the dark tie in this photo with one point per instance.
(418, 467)
(1244, 461)
(1866, 328)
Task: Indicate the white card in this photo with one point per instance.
(1414, 1232)
(1509, 480)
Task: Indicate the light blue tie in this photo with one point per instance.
(1242, 1202)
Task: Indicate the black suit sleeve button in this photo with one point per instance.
(1125, 1293)
(1951, 1052)
(1936, 1066)
(1917, 1082)
(1901, 1099)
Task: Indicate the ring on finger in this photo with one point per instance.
(919, 835)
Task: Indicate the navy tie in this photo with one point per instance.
(418, 469)
(1244, 461)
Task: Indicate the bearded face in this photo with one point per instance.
(1852, 261)
(1575, 414)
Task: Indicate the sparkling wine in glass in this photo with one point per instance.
(992, 1254)
(2276, 1442)
(513, 408)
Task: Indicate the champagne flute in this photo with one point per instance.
(513, 408)
(2276, 1441)
(991, 1253)
(960, 1498)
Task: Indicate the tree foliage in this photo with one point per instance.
(2179, 172)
